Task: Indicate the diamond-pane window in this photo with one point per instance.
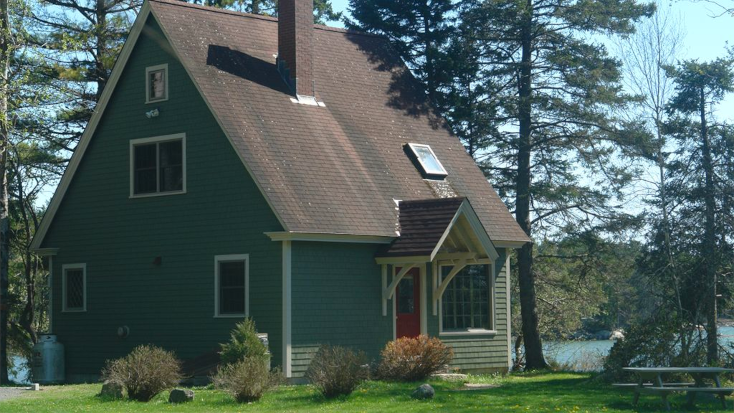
(74, 288)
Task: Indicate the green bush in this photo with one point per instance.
(337, 370)
(246, 380)
(413, 359)
(243, 343)
(145, 372)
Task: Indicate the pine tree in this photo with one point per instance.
(420, 30)
(80, 40)
(561, 90)
(699, 87)
(322, 9)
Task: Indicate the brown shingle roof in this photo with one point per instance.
(422, 223)
(333, 169)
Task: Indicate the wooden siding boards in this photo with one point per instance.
(336, 300)
(171, 305)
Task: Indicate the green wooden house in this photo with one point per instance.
(236, 166)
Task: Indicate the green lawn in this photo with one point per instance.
(548, 392)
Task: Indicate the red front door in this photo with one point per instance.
(407, 305)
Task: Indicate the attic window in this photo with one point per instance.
(156, 83)
(427, 159)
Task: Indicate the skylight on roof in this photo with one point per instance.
(427, 159)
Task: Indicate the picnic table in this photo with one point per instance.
(651, 382)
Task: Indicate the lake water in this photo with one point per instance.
(588, 355)
(19, 373)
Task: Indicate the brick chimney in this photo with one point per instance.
(295, 44)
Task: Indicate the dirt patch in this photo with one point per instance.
(7, 393)
(477, 386)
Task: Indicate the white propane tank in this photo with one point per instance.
(47, 364)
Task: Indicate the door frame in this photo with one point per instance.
(422, 305)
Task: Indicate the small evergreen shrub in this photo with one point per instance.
(145, 372)
(413, 359)
(336, 371)
(246, 380)
(243, 343)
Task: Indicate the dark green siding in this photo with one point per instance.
(485, 352)
(223, 212)
(336, 290)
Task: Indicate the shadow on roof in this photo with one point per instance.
(246, 67)
(406, 93)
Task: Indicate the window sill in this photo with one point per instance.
(157, 194)
(230, 315)
(74, 311)
(469, 333)
(147, 102)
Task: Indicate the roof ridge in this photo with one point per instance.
(183, 3)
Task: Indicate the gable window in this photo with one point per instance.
(427, 160)
(74, 287)
(156, 83)
(467, 304)
(231, 285)
(158, 165)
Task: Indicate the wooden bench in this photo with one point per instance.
(691, 390)
(700, 375)
(632, 386)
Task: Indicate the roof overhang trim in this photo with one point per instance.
(510, 244)
(91, 127)
(466, 211)
(324, 237)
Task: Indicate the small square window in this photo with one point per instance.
(74, 287)
(231, 284)
(156, 83)
(158, 166)
(427, 159)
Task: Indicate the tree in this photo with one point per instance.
(699, 87)
(561, 90)
(645, 55)
(419, 29)
(322, 9)
(79, 41)
(6, 50)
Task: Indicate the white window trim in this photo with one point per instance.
(442, 172)
(229, 258)
(64, 268)
(149, 69)
(157, 139)
(492, 305)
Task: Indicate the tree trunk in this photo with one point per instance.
(100, 49)
(5, 50)
(531, 335)
(709, 240)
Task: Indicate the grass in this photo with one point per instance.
(545, 392)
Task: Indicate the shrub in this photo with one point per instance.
(145, 372)
(337, 370)
(413, 359)
(243, 343)
(246, 380)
